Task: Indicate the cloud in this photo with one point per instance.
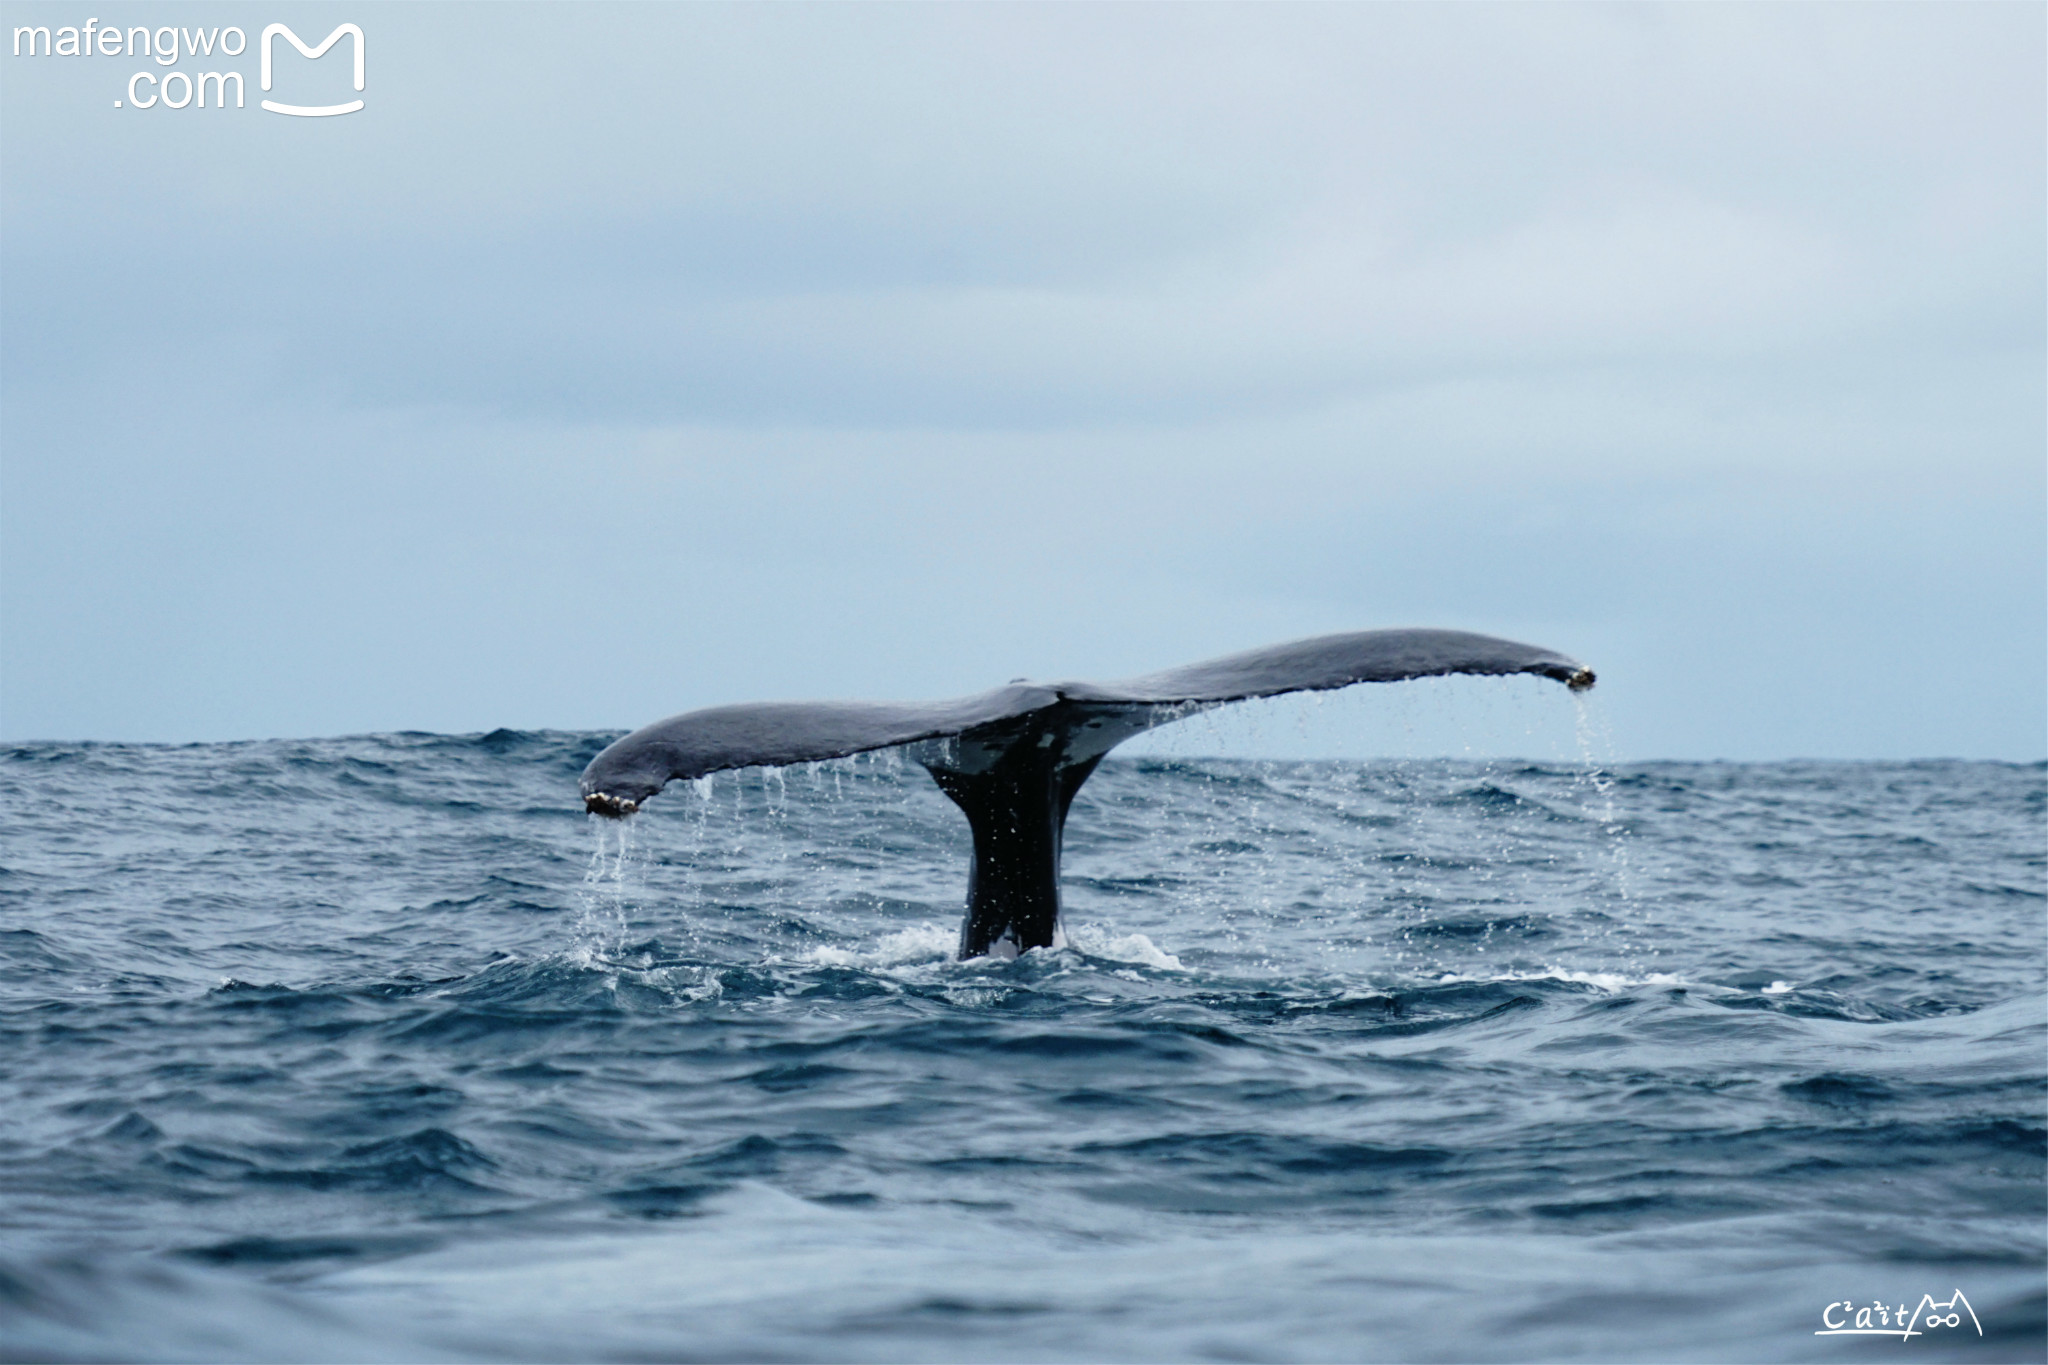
(998, 219)
(893, 350)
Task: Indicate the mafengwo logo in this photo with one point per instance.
(170, 47)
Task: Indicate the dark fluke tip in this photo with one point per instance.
(1581, 681)
(603, 803)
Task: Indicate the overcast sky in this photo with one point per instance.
(615, 361)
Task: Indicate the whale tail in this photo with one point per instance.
(1012, 759)
(1015, 781)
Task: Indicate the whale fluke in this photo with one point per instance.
(1013, 758)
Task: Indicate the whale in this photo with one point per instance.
(1012, 758)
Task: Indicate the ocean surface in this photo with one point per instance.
(378, 1048)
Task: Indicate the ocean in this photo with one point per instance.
(379, 1048)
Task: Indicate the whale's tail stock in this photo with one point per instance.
(1013, 758)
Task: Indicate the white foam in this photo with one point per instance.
(934, 943)
(1778, 988)
(1604, 981)
(975, 997)
(1132, 948)
(918, 943)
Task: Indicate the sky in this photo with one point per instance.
(615, 361)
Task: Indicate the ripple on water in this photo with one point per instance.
(375, 1048)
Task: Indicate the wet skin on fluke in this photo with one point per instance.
(1013, 758)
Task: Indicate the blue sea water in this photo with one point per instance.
(377, 1048)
